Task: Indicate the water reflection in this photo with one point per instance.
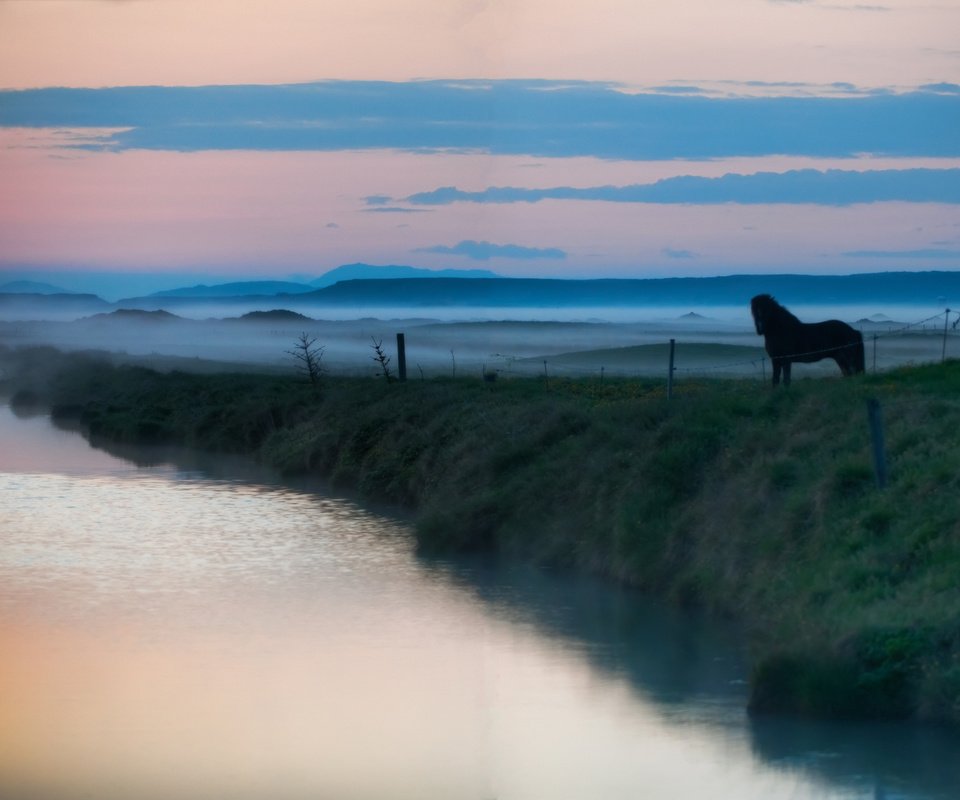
(185, 630)
(687, 663)
(898, 760)
(692, 669)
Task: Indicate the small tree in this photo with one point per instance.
(309, 356)
(380, 356)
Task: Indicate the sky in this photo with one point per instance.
(170, 140)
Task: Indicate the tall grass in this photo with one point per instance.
(754, 503)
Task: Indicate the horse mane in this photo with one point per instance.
(765, 307)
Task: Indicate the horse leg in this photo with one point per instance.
(777, 366)
(786, 373)
(853, 359)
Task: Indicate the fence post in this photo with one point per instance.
(401, 357)
(876, 440)
(670, 371)
(946, 319)
(874, 353)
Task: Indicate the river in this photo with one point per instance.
(176, 625)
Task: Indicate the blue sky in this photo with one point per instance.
(820, 137)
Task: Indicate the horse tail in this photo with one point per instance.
(859, 358)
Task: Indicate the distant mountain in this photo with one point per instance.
(214, 305)
(135, 315)
(236, 289)
(351, 272)
(240, 292)
(932, 289)
(52, 303)
(30, 287)
(274, 315)
(343, 273)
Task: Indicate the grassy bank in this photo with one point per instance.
(753, 503)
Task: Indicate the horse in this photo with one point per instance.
(787, 339)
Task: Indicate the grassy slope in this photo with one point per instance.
(755, 503)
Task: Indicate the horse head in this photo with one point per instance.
(760, 307)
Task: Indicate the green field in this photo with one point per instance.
(690, 358)
(757, 504)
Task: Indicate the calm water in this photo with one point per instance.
(198, 630)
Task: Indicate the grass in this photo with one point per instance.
(754, 503)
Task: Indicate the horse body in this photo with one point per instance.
(787, 339)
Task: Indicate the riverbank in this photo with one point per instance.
(757, 504)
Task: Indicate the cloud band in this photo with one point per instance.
(537, 118)
(829, 187)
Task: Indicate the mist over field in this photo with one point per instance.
(478, 324)
(456, 341)
(436, 345)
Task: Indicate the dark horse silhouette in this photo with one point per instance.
(787, 339)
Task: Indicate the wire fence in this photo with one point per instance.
(732, 353)
(929, 341)
(924, 341)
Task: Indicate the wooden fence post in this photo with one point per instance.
(401, 357)
(946, 319)
(876, 440)
(670, 371)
